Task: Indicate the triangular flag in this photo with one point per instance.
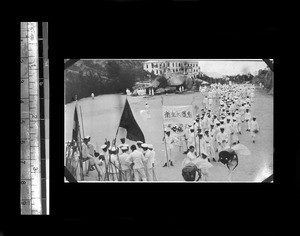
(129, 123)
(76, 129)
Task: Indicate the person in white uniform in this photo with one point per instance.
(170, 140)
(248, 119)
(125, 164)
(151, 162)
(113, 166)
(190, 157)
(235, 131)
(208, 149)
(254, 128)
(136, 159)
(222, 139)
(239, 122)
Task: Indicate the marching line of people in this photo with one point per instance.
(113, 163)
(225, 109)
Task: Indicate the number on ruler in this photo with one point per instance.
(22, 101)
(23, 162)
(22, 142)
(22, 81)
(41, 83)
(35, 168)
(33, 116)
(23, 182)
(24, 203)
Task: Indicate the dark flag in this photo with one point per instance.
(128, 122)
(76, 129)
(76, 137)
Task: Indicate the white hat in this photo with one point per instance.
(87, 137)
(139, 142)
(150, 146)
(222, 127)
(103, 146)
(144, 145)
(124, 148)
(113, 149)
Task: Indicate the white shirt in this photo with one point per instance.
(170, 140)
(238, 118)
(151, 159)
(137, 158)
(247, 116)
(124, 161)
(254, 125)
(87, 150)
(191, 155)
(222, 137)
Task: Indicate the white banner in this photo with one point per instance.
(178, 115)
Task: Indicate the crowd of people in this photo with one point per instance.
(113, 162)
(225, 109)
(218, 126)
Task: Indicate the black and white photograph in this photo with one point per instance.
(168, 120)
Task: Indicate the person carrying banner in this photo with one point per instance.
(170, 140)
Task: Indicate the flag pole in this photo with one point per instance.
(162, 103)
(88, 167)
(80, 150)
(82, 121)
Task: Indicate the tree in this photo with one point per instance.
(163, 83)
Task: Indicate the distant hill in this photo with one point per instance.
(102, 77)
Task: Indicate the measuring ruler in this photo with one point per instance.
(31, 184)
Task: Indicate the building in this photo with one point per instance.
(161, 67)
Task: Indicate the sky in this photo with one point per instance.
(231, 67)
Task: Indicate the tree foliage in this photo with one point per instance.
(102, 77)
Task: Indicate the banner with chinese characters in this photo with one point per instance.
(175, 115)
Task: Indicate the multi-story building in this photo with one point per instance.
(161, 67)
